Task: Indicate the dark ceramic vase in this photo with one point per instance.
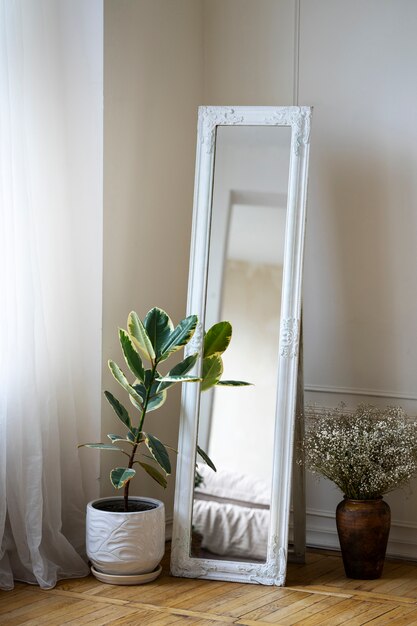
(363, 527)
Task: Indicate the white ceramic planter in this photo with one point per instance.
(122, 543)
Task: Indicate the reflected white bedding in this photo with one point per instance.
(231, 512)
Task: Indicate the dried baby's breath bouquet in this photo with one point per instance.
(366, 453)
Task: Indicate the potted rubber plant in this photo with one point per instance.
(126, 534)
(366, 453)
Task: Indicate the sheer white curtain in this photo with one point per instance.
(51, 57)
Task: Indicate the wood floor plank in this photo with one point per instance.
(278, 615)
(413, 622)
(187, 598)
(86, 584)
(244, 605)
(357, 613)
(314, 612)
(286, 599)
(97, 599)
(38, 610)
(324, 569)
(136, 618)
(162, 595)
(206, 597)
(332, 607)
(166, 619)
(174, 590)
(407, 587)
(102, 616)
(83, 610)
(388, 581)
(348, 611)
(24, 597)
(189, 613)
(369, 596)
(400, 616)
(228, 603)
(322, 589)
(55, 611)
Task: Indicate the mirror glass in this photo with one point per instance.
(246, 268)
(231, 508)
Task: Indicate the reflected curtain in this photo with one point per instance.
(50, 282)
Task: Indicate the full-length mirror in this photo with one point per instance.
(246, 261)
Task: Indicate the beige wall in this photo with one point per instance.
(152, 87)
(249, 52)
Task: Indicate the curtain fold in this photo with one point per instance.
(50, 282)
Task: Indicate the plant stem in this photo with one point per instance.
(127, 485)
(138, 435)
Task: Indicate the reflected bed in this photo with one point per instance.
(231, 513)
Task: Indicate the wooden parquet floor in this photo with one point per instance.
(317, 593)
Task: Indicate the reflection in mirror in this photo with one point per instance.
(231, 508)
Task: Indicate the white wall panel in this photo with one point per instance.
(357, 67)
(357, 62)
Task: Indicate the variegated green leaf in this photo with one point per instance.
(101, 446)
(159, 326)
(119, 476)
(122, 380)
(217, 338)
(141, 391)
(119, 409)
(139, 336)
(114, 438)
(206, 458)
(157, 400)
(159, 452)
(212, 371)
(153, 472)
(171, 380)
(132, 358)
(177, 371)
(133, 436)
(142, 388)
(136, 404)
(180, 336)
(233, 383)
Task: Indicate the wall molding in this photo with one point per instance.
(296, 67)
(322, 533)
(168, 528)
(358, 391)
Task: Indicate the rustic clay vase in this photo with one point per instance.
(363, 527)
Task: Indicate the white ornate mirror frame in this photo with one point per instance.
(273, 571)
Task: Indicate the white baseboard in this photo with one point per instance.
(168, 528)
(358, 391)
(322, 533)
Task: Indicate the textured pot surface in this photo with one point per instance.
(363, 527)
(125, 543)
